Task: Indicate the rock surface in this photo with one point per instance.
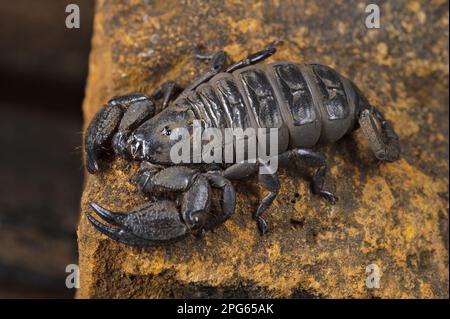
(392, 215)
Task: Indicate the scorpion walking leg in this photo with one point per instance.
(196, 204)
(167, 91)
(272, 184)
(382, 138)
(228, 199)
(312, 159)
(268, 181)
(255, 57)
(217, 63)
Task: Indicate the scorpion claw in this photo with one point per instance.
(99, 135)
(115, 233)
(152, 224)
(110, 217)
(92, 164)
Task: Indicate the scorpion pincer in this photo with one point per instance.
(308, 104)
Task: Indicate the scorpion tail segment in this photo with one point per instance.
(99, 135)
(153, 224)
(383, 140)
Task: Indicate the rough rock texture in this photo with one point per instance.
(392, 215)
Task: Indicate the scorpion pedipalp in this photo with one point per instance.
(111, 126)
(99, 135)
(155, 223)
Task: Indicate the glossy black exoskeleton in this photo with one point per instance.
(308, 104)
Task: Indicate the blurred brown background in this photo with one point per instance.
(43, 67)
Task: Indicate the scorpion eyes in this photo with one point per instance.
(166, 131)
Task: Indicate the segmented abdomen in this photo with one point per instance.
(308, 104)
(320, 102)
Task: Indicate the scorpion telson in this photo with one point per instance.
(309, 105)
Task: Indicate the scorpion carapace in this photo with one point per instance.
(307, 104)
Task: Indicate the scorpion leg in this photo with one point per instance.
(167, 91)
(100, 132)
(228, 199)
(311, 159)
(240, 170)
(196, 204)
(269, 181)
(255, 57)
(217, 63)
(152, 224)
(382, 138)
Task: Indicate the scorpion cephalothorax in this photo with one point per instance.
(308, 104)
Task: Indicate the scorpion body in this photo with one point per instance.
(308, 104)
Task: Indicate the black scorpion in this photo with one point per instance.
(308, 104)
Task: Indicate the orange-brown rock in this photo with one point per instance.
(392, 215)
